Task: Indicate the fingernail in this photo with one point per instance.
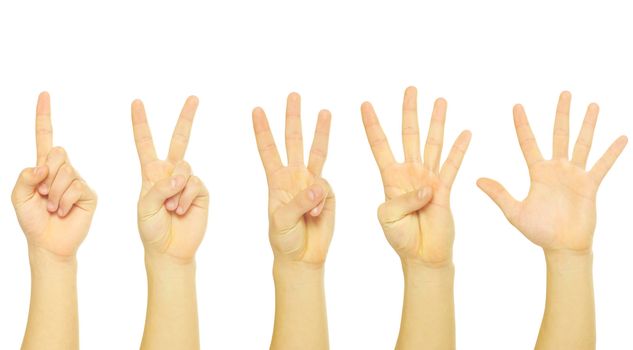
(50, 206)
(60, 212)
(180, 210)
(174, 182)
(43, 188)
(315, 211)
(171, 204)
(423, 193)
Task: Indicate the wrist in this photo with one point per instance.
(297, 272)
(156, 263)
(568, 260)
(41, 258)
(418, 272)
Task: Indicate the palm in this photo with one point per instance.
(176, 231)
(58, 235)
(424, 232)
(559, 212)
(309, 239)
(176, 235)
(428, 232)
(301, 220)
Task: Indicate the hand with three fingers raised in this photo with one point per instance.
(301, 222)
(172, 219)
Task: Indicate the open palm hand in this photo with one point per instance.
(559, 212)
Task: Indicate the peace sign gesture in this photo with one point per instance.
(559, 212)
(173, 205)
(53, 203)
(301, 203)
(416, 215)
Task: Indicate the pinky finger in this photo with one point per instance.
(70, 197)
(602, 166)
(455, 157)
(193, 191)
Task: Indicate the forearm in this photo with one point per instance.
(428, 313)
(300, 313)
(53, 321)
(569, 318)
(172, 313)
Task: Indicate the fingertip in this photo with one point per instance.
(623, 139)
(316, 193)
(178, 181)
(325, 115)
(594, 107)
(137, 109)
(257, 112)
(481, 182)
(181, 210)
(441, 101)
(43, 189)
(294, 97)
(565, 94)
(137, 103)
(193, 99)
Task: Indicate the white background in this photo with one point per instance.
(482, 56)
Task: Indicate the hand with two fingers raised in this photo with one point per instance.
(173, 204)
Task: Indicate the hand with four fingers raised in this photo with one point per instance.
(416, 216)
(54, 205)
(173, 204)
(417, 221)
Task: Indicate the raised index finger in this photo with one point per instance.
(142, 134)
(43, 127)
(180, 137)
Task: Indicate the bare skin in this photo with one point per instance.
(301, 216)
(559, 215)
(172, 218)
(418, 222)
(54, 206)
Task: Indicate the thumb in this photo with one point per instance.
(508, 205)
(159, 193)
(399, 207)
(289, 214)
(28, 181)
